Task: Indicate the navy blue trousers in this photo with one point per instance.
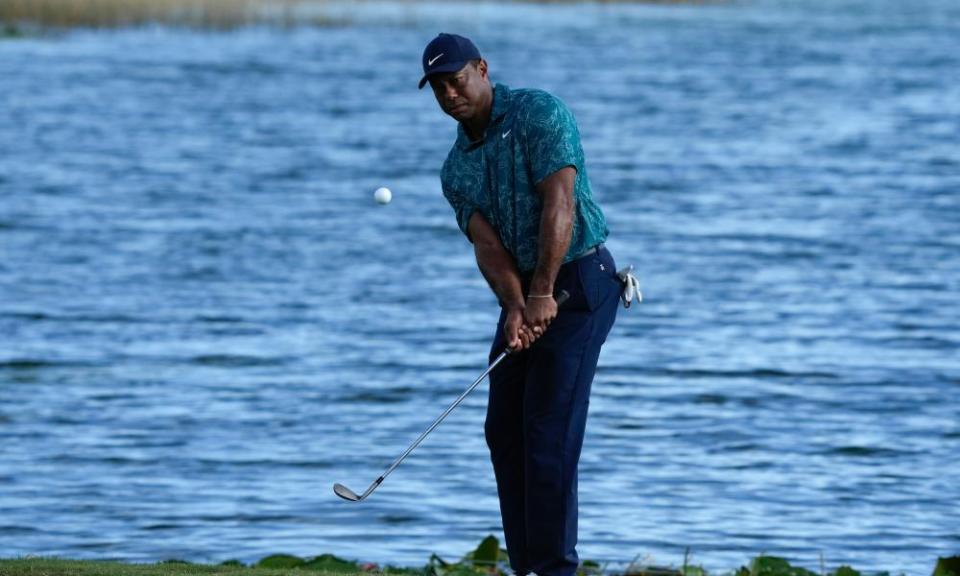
(537, 414)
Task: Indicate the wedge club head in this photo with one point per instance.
(346, 493)
(351, 496)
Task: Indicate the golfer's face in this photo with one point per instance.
(459, 93)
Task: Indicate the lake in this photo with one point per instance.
(207, 321)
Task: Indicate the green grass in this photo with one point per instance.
(488, 559)
(53, 567)
(275, 565)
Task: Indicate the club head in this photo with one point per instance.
(345, 493)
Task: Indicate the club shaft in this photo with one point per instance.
(444, 415)
(561, 298)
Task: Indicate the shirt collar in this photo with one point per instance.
(501, 103)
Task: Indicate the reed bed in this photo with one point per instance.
(224, 14)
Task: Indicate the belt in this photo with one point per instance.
(526, 276)
(587, 252)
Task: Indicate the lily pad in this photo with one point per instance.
(589, 568)
(642, 570)
(949, 566)
(281, 561)
(331, 563)
(488, 552)
(773, 566)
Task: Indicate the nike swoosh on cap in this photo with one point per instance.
(434, 59)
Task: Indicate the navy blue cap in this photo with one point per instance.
(447, 53)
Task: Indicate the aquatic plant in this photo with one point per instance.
(488, 559)
(215, 14)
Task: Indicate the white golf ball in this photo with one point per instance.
(383, 195)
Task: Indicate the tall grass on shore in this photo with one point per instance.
(215, 14)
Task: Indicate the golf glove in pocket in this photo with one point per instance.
(631, 287)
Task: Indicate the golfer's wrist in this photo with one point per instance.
(539, 292)
(540, 286)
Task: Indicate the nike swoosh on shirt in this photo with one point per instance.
(434, 59)
(507, 133)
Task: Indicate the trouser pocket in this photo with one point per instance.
(597, 275)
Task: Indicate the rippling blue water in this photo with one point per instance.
(206, 321)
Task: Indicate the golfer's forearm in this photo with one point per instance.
(556, 229)
(502, 276)
(496, 264)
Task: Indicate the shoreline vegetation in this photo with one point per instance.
(488, 559)
(18, 15)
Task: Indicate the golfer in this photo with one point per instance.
(516, 180)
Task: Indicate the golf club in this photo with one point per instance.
(348, 494)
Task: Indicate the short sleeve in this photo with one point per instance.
(463, 209)
(553, 141)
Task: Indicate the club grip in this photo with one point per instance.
(562, 297)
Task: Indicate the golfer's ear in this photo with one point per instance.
(482, 67)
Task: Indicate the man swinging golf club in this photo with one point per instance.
(516, 180)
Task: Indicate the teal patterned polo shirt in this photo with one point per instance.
(531, 135)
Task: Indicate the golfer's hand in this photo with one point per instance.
(518, 336)
(538, 314)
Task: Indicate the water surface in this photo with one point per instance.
(207, 321)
